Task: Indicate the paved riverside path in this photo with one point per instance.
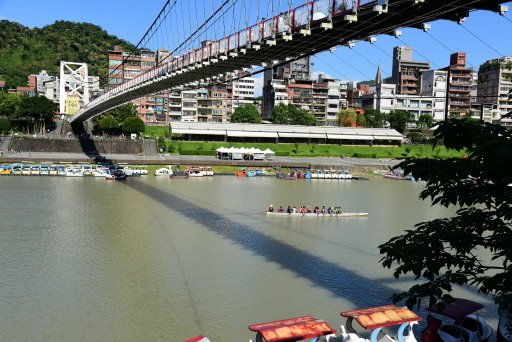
(166, 158)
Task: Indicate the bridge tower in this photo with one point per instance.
(74, 87)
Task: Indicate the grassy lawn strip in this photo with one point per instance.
(156, 131)
(317, 150)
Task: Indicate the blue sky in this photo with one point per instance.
(129, 19)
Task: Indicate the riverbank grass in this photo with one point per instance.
(318, 150)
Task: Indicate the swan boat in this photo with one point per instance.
(377, 318)
(293, 329)
(504, 331)
(460, 323)
(164, 171)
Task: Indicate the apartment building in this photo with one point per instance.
(284, 75)
(495, 86)
(459, 86)
(406, 73)
(291, 84)
(355, 91)
(189, 106)
(212, 104)
(175, 105)
(242, 92)
(124, 66)
(433, 84)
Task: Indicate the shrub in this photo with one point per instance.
(416, 137)
(133, 124)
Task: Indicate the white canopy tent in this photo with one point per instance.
(269, 154)
(234, 153)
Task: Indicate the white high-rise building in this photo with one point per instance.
(243, 92)
(189, 105)
(433, 83)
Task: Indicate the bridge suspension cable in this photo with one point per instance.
(193, 66)
(481, 40)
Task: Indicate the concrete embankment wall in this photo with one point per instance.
(24, 144)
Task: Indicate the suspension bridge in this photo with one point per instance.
(289, 34)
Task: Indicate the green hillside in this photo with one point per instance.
(25, 51)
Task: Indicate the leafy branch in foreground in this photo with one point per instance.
(473, 247)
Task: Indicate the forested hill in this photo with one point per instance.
(25, 51)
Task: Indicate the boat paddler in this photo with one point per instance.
(271, 209)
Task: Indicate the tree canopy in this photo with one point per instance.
(9, 105)
(133, 124)
(5, 125)
(25, 51)
(473, 247)
(247, 113)
(398, 120)
(347, 117)
(108, 124)
(426, 121)
(292, 115)
(25, 112)
(280, 114)
(375, 118)
(123, 112)
(37, 108)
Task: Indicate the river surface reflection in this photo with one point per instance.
(158, 259)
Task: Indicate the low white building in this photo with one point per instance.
(281, 133)
(385, 99)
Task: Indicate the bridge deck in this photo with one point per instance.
(306, 30)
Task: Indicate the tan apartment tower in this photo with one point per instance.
(406, 72)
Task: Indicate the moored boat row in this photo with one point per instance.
(70, 170)
(461, 325)
(315, 214)
(298, 174)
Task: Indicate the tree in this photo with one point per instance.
(123, 112)
(360, 120)
(247, 113)
(398, 120)
(37, 108)
(473, 247)
(347, 117)
(9, 105)
(280, 114)
(300, 116)
(5, 125)
(375, 118)
(292, 115)
(133, 124)
(425, 121)
(416, 137)
(108, 124)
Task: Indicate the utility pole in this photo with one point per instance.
(447, 98)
